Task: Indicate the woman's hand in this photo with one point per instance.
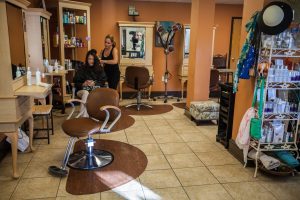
(102, 62)
(91, 83)
(85, 83)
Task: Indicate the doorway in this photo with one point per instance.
(234, 48)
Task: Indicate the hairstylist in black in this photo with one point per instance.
(109, 58)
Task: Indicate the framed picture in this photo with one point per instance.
(167, 26)
(133, 42)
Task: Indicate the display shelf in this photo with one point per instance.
(74, 27)
(259, 146)
(295, 85)
(274, 116)
(271, 140)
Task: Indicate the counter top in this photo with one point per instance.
(33, 91)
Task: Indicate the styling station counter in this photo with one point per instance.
(136, 39)
(14, 111)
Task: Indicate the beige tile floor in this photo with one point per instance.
(185, 162)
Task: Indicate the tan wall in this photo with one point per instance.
(200, 50)
(246, 87)
(223, 15)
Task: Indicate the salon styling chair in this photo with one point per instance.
(102, 107)
(220, 61)
(214, 87)
(137, 78)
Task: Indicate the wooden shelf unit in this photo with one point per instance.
(77, 30)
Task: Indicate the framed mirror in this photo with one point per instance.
(16, 29)
(187, 32)
(133, 42)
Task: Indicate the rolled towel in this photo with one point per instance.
(287, 158)
(267, 161)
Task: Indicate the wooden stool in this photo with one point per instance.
(44, 110)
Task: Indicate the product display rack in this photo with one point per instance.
(267, 55)
(74, 26)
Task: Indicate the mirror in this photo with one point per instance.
(133, 42)
(275, 18)
(16, 29)
(187, 32)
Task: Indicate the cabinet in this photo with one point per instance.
(74, 27)
(38, 37)
(14, 110)
(227, 99)
(184, 59)
(136, 40)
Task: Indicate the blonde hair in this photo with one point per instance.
(112, 39)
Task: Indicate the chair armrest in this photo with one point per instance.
(75, 100)
(103, 128)
(71, 101)
(110, 107)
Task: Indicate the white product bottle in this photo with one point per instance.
(28, 75)
(18, 72)
(84, 18)
(56, 66)
(38, 77)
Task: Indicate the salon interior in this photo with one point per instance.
(149, 99)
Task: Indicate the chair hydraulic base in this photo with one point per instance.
(138, 105)
(90, 158)
(166, 98)
(62, 171)
(84, 160)
(56, 171)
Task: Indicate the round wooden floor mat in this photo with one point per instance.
(155, 110)
(124, 122)
(179, 105)
(128, 164)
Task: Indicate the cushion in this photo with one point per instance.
(80, 127)
(204, 110)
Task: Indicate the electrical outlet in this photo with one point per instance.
(163, 79)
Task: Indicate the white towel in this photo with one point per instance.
(243, 137)
(268, 161)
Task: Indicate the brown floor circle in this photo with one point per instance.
(155, 110)
(128, 164)
(180, 105)
(124, 122)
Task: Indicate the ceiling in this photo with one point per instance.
(188, 1)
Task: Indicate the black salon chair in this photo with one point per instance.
(137, 78)
(220, 61)
(102, 107)
(214, 88)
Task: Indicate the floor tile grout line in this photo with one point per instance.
(227, 191)
(266, 189)
(193, 153)
(21, 177)
(164, 157)
(171, 166)
(60, 180)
